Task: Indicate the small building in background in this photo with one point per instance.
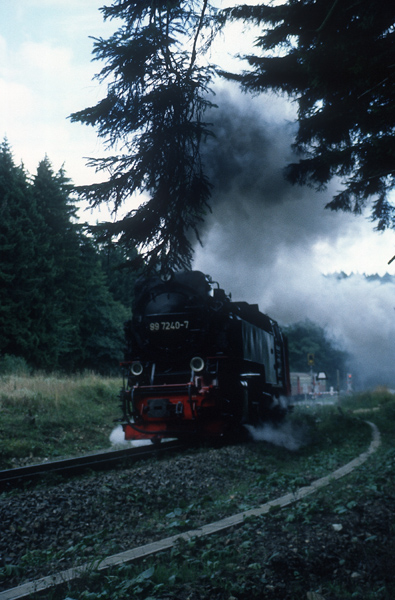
(308, 384)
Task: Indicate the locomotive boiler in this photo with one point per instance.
(198, 364)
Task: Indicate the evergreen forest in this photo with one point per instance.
(64, 297)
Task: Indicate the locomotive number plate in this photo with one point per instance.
(168, 325)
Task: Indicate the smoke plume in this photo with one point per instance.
(271, 243)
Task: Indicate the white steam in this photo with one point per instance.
(272, 243)
(117, 438)
(288, 435)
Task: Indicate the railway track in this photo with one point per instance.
(68, 467)
(27, 589)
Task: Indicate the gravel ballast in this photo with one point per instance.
(52, 527)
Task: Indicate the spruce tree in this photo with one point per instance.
(56, 309)
(117, 264)
(59, 242)
(100, 325)
(336, 60)
(21, 265)
(152, 118)
(87, 324)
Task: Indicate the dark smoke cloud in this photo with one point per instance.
(266, 241)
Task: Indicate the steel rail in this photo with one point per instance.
(11, 478)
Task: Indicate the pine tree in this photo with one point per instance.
(86, 322)
(117, 264)
(337, 61)
(56, 309)
(157, 93)
(20, 262)
(101, 318)
(59, 241)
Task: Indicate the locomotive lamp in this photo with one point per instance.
(197, 364)
(136, 369)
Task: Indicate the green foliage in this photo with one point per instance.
(377, 405)
(368, 399)
(335, 59)
(13, 365)
(98, 319)
(22, 262)
(59, 308)
(116, 263)
(306, 337)
(157, 93)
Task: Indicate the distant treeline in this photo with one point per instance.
(63, 297)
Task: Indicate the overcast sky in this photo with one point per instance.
(255, 249)
(46, 74)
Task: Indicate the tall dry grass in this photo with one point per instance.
(55, 415)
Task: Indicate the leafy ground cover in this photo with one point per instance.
(336, 546)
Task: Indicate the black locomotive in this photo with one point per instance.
(198, 364)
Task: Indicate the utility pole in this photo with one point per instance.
(310, 362)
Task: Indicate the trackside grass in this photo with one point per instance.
(45, 417)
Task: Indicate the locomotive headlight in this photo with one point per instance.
(197, 364)
(136, 368)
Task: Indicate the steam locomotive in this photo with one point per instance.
(198, 364)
